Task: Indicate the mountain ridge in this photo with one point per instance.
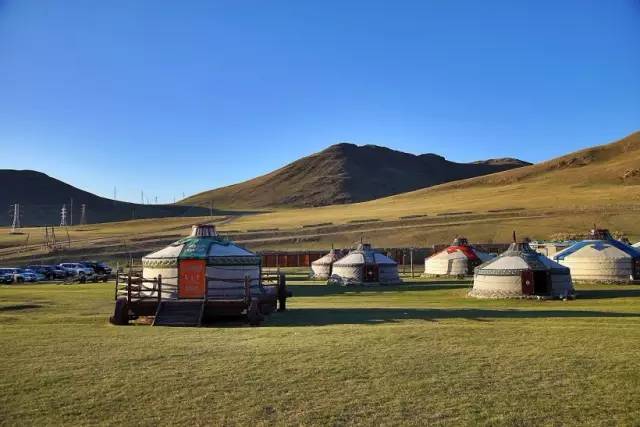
(346, 173)
(41, 198)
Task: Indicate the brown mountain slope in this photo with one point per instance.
(599, 184)
(614, 163)
(346, 173)
(41, 197)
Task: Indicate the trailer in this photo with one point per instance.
(179, 305)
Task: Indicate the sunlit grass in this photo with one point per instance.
(420, 353)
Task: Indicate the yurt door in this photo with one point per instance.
(192, 278)
(370, 273)
(527, 282)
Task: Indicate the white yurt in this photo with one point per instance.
(601, 258)
(636, 245)
(459, 259)
(521, 272)
(364, 266)
(223, 264)
(322, 267)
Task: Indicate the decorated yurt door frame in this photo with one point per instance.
(527, 282)
(371, 273)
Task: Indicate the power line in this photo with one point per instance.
(16, 218)
(83, 214)
(63, 216)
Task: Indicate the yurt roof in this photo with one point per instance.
(459, 248)
(599, 245)
(327, 259)
(203, 243)
(517, 258)
(364, 254)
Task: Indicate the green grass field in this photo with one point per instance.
(421, 353)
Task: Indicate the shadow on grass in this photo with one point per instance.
(608, 293)
(364, 316)
(323, 290)
(18, 307)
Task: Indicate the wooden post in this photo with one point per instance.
(247, 289)
(115, 297)
(129, 289)
(159, 288)
(282, 292)
(411, 260)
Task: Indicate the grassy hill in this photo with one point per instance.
(599, 184)
(346, 173)
(568, 194)
(41, 197)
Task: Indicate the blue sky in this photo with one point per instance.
(198, 94)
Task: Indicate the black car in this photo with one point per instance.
(102, 270)
(49, 271)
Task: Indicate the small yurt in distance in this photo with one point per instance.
(459, 259)
(364, 266)
(521, 272)
(204, 252)
(322, 267)
(601, 258)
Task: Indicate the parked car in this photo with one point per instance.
(15, 274)
(50, 272)
(78, 270)
(32, 276)
(6, 278)
(44, 272)
(102, 270)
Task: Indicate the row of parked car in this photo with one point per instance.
(84, 271)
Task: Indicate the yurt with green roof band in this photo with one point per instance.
(203, 253)
(601, 258)
(196, 280)
(521, 272)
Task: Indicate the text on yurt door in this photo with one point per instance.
(192, 278)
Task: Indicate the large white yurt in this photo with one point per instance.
(322, 267)
(521, 272)
(459, 259)
(601, 258)
(364, 266)
(223, 264)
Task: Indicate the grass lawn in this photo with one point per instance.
(414, 354)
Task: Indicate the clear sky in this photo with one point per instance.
(183, 96)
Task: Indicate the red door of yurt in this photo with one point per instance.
(527, 282)
(192, 278)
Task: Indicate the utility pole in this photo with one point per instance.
(71, 212)
(83, 214)
(16, 218)
(63, 216)
(142, 197)
(115, 195)
(156, 200)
